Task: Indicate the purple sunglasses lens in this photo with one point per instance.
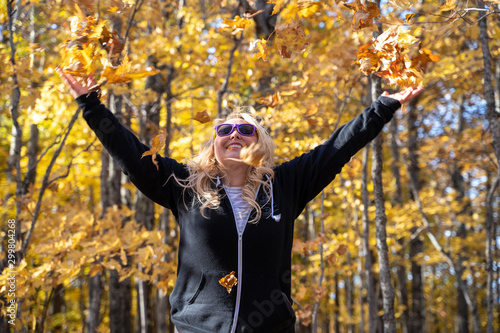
(227, 129)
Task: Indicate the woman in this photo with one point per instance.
(233, 216)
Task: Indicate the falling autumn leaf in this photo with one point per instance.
(290, 37)
(271, 101)
(123, 72)
(278, 4)
(91, 48)
(389, 55)
(307, 8)
(237, 24)
(342, 249)
(363, 14)
(203, 117)
(229, 281)
(332, 258)
(158, 143)
(261, 45)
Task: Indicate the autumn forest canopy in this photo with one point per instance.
(403, 240)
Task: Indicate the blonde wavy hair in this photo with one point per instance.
(204, 171)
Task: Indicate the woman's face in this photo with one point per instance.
(229, 147)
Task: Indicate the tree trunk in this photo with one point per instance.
(417, 314)
(58, 306)
(149, 122)
(120, 299)
(94, 310)
(462, 318)
(381, 222)
(494, 126)
(162, 301)
(369, 280)
(397, 199)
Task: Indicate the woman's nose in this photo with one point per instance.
(235, 134)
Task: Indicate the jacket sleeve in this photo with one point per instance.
(304, 177)
(126, 150)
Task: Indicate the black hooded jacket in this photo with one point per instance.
(211, 248)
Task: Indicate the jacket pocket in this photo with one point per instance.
(211, 292)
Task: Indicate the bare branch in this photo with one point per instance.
(45, 183)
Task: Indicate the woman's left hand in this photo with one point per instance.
(405, 95)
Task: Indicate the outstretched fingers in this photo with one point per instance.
(76, 88)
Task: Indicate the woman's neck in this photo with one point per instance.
(236, 177)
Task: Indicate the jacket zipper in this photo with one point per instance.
(240, 264)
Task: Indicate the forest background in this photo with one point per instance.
(406, 237)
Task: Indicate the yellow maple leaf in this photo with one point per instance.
(278, 5)
(261, 45)
(237, 24)
(158, 143)
(307, 8)
(123, 72)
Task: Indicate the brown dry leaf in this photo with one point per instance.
(229, 281)
(342, 249)
(203, 117)
(332, 258)
(158, 143)
(271, 101)
(290, 37)
(363, 14)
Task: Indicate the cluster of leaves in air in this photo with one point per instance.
(91, 50)
(388, 56)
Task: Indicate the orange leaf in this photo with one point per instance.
(203, 117)
(261, 45)
(237, 24)
(229, 281)
(158, 143)
(271, 101)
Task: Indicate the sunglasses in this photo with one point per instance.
(227, 129)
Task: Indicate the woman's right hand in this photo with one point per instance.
(76, 88)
